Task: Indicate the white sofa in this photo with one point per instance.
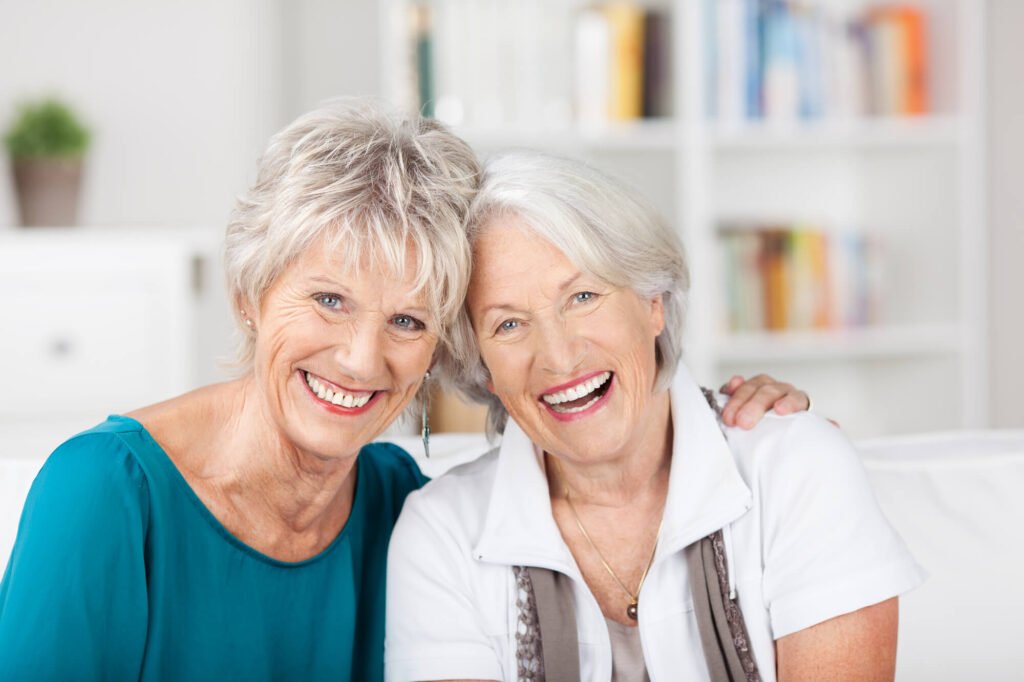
(956, 499)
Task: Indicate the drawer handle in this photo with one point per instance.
(61, 347)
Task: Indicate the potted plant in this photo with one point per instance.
(46, 143)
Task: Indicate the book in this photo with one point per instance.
(626, 33)
(799, 277)
(657, 63)
(786, 60)
(593, 67)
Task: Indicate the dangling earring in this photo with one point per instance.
(425, 419)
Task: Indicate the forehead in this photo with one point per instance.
(333, 260)
(509, 248)
(512, 263)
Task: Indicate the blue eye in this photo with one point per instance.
(408, 322)
(328, 300)
(508, 325)
(584, 296)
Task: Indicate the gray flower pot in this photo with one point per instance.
(48, 190)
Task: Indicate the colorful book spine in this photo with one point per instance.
(626, 23)
(657, 75)
(423, 49)
(808, 60)
(799, 278)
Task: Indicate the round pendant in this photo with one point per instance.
(631, 611)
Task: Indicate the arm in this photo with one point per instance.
(833, 566)
(749, 400)
(433, 629)
(73, 601)
(855, 646)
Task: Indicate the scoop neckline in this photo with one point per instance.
(355, 515)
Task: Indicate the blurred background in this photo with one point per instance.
(842, 174)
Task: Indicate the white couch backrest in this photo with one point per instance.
(956, 500)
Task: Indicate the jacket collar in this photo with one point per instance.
(705, 490)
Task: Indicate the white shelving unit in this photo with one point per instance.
(101, 321)
(916, 182)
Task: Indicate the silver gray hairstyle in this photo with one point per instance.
(372, 182)
(604, 227)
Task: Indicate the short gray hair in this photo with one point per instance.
(602, 226)
(374, 183)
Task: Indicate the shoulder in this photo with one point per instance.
(102, 457)
(90, 485)
(463, 488)
(825, 547)
(454, 504)
(392, 463)
(387, 474)
(791, 450)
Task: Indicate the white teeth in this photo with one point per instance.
(577, 392)
(574, 410)
(337, 398)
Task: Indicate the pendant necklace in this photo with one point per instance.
(632, 611)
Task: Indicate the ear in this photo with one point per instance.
(241, 304)
(657, 314)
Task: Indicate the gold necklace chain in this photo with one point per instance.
(634, 599)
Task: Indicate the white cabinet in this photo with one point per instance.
(98, 322)
(914, 183)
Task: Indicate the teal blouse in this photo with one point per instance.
(119, 572)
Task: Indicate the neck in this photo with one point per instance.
(639, 471)
(282, 487)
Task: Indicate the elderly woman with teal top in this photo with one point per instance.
(240, 531)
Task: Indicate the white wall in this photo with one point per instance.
(1006, 209)
(184, 94)
(330, 49)
(181, 95)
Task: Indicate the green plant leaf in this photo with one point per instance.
(46, 128)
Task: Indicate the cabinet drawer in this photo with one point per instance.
(94, 341)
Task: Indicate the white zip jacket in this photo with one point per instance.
(805, 538)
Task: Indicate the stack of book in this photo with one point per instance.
(787, 60)
(534, 64)
(798, 278)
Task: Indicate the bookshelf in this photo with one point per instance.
(912, 182)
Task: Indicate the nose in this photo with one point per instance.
(562, 350)
(361, 354)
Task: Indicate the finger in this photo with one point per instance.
(791, 402)
(738, 399)
(728, 387)
(763, 400)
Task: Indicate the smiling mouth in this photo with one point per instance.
(331, 393)
(579, 397)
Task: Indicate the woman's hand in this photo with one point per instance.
(749, 400)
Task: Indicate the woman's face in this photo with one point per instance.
(339, 354)
(571, 357)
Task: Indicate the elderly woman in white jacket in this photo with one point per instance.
(621, 531)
